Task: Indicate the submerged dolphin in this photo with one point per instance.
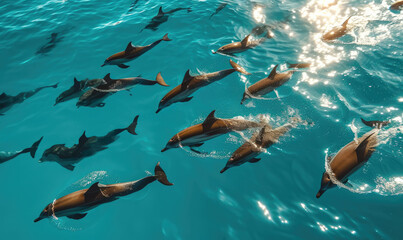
(161, 18)
(131, 52)
(259, 141)
(87, 146)
(268, 84)
(94, 96)
(336, 32)
(212, 127)
(54, 39)
(7, 101)
(191, 84)
(6, 156)
(77, 89)
(76, 205)
(219, 8)
(298, 65)
(245, 44)
(351, 157)
(397, 5)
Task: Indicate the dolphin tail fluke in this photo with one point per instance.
(132, 127)
(166, 38)
(375, 124)
(160, 80)
(161, 176)
(33, 148)
(238, 68)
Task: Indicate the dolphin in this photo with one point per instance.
(191, 84)
(397, 5)
(218, 9)
(298, 65)
(77, 89)
(94, 96)
(212, 127)
(259, 141)
(245, 44)
(133, 5)
(76, 205)
(351, 157)
(268, 84)
(67, 157)
(336, 32)
(131, 52)
(162, 17)
(6, 156)
(54, 39)
(7, 101)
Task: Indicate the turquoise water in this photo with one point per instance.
(359, 75)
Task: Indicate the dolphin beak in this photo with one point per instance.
(103, 65)
(163, 150)
(224, 169)
(159, 109)
(40, 160)
(213, 52)
(319, 193)
(38, 219)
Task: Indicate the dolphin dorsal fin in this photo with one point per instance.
(77, 84)
(3, 95)
(273, 72)
(83, 139)
(186, 78)
(360, 150)
(129, 47)
(210, 119)
(160, 12)
(346, 22)
(244, 42)
(93, 192)
(107, 78)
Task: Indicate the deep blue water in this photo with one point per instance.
(359, 75)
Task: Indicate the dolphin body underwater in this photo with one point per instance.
(267, 85)
(191, 84)
(54, 39)
(351, 157)
(131, 52)
(7, 101)
(162, 17)
(238, 47)
(212, 127)
(76, 205)
(218, 9)
(6, 156)
(67, 157)
(94, 96)
(336, 32)
(77, 89)
(259, 141)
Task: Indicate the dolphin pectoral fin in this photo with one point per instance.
(209, 120)
(68, 166)
(186, 99)
(77, 216)
(360, 150)
(254, 160)
(198, 145)
(122, 65)
(194, 150)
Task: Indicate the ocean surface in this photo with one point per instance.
(356, 76)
